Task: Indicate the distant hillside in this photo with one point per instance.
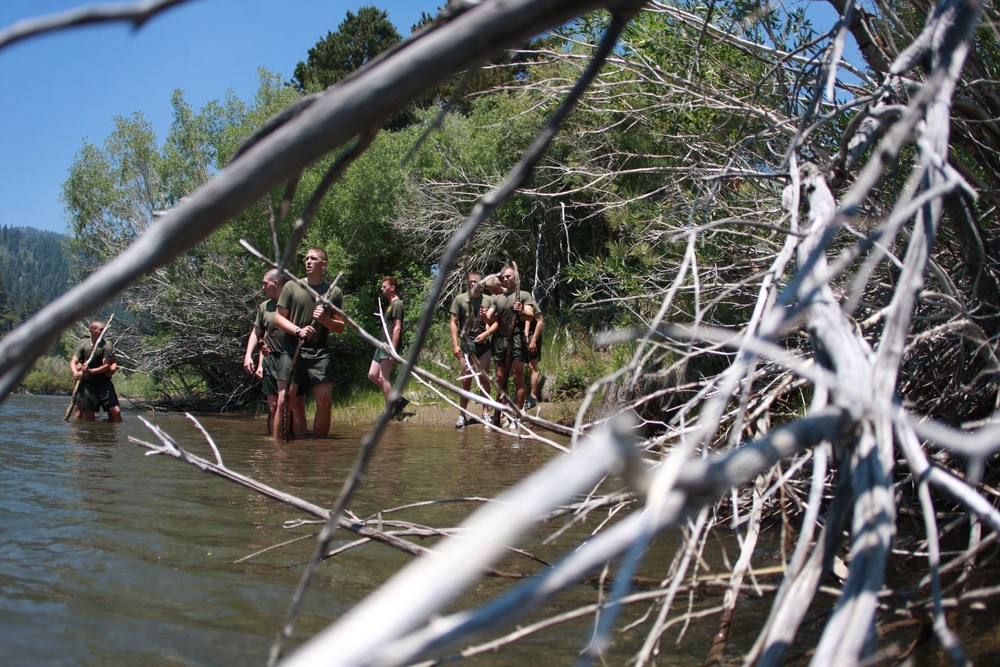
(33, 271)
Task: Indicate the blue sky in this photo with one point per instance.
(63, 88)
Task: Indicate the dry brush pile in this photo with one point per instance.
(858, 389)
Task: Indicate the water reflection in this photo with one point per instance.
(112, 557)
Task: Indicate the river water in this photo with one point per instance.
(110, 557)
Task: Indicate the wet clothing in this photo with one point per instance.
(510, 334)
(392, 313)
(465, 308)
(314, 364)
(100, 395)
(97, 391)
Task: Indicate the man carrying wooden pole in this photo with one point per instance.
(93, 363)
(507, 316)
(307, 325)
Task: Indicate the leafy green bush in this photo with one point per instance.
(49, 375)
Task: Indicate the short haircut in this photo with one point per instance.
(392, 281)
(321, 251)
(491, 283)
(477, 275)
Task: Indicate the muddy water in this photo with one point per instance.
(109, 557)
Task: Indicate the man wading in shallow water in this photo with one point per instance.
(470, 343)
(507, 316)
(96, 388)
(305, 321)
(267, 339)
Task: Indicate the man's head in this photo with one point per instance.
(272, 282)
(390, 287)
(508, 276)
(492, 284)
(472, 280)
(316, 259)
(96, 327)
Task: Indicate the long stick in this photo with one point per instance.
(76, 387)
(293, 387)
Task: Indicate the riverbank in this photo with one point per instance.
(439, 413)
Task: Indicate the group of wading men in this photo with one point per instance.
(288, 348)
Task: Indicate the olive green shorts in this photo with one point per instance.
(97, 396)
(269, 381)
(308, 372)
(519, 354)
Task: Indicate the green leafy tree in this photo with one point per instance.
(7, 318)
(359, 38)
(185, 321)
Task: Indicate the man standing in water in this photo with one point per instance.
(96, 388)
(307, 324)
(269, 339)
(507, 316)
(470, 343)
(380, 370)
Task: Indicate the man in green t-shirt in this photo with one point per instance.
(96, 388)
(263, 351)
(380, 370)
(470, 343)
(306, 321)
(507, 316)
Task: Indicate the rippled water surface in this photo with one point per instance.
(110, 557)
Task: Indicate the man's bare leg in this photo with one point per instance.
(324, 404)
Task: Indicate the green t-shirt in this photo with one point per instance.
(504, 307)
(392, 313)
(106, 350)
(273, 336)
(466, 308)
(300, 305)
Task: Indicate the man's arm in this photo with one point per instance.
(282, 322)
(527, 307)
(76, 367)
(397, 333)
(537, 336)
(248, 360)
(334, 323)
(453, 326)
(108, 366)
(492, 323)
(539, 325)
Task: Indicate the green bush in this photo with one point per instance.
(49, 375)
